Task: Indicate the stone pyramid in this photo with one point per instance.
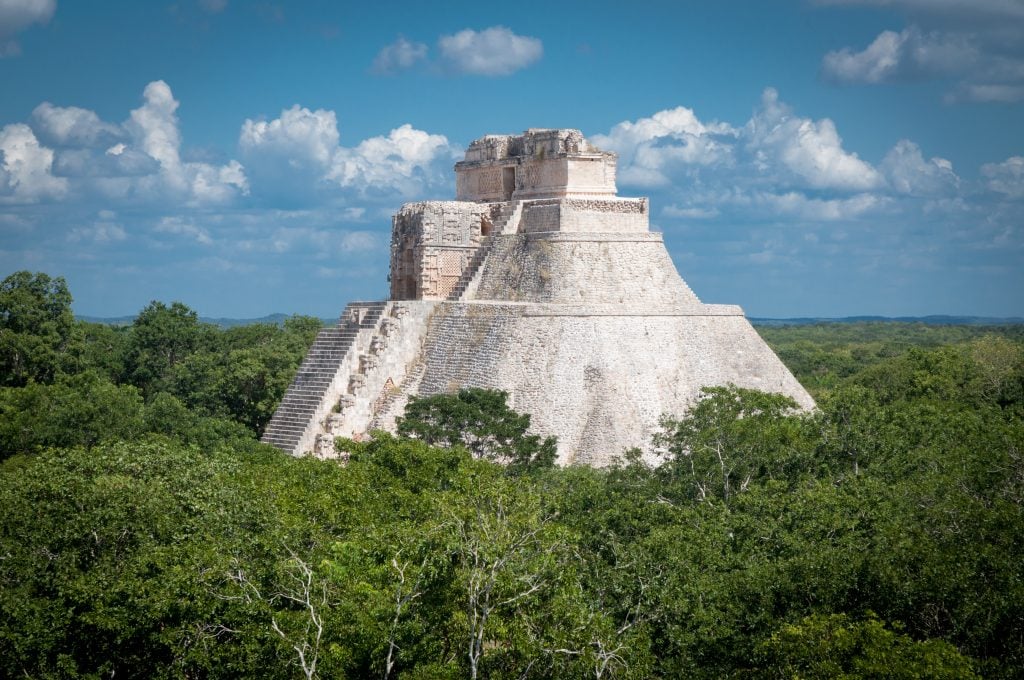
(538, 280)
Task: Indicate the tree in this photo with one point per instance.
(834, 646)
(35, 328)
(480, 420)
(159, 339)
(80, 410)
(100, 347)
(853, 427)
(730, 437)
(242, 373)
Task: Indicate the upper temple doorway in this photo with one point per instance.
(508, 182)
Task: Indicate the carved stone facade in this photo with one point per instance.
(537, 164)
(541, 282)
(431, 245)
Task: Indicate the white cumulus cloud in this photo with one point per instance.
(811, 151)
(403, 160)
(16, 16)
(774, 147)
(907, 54)
(975, 45)
(875, 63)
(138, 160)
(307, 143)
(299, 134)
(26, 167)
(778, 165)
(649, 148)
(153, 128)
(73, 126)
(399, 55)
(494, 51)
(909, 173)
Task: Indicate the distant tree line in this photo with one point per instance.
(879, 536)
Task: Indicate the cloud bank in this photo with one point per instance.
(768, 197)
(975, 45)
(780, 198)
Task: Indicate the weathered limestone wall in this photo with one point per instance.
(598, 377)
(627, 269)
(465, 346)
(586, 215)
(487, 182)
(431, 244)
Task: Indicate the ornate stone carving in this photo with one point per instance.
(333, 423)
(324, 447)
(367, 362)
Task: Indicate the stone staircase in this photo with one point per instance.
(471, 270)
(506, 222)
(298, 410)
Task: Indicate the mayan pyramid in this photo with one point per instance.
(540, 281)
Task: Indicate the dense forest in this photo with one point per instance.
(146, 533)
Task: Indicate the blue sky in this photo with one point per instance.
(803, 158)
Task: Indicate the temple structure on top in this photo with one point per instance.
(537, 164)
(538, 280)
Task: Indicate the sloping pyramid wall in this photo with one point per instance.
(595, 335)
(595, 354)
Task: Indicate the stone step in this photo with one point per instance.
(284, 435)
(302, 405)
(303, 401)
(292, 427)
(310, 387)
(304, 376)
(299, 409)
(323, 364)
